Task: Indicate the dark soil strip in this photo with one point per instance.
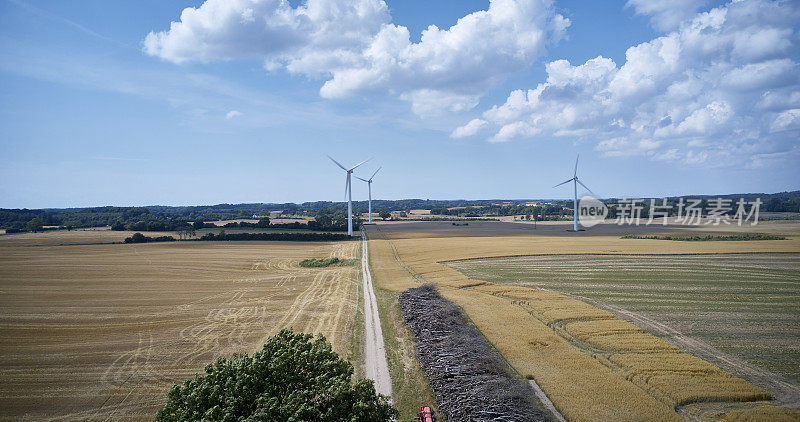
(470, 381)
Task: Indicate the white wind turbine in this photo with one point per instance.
(575, 182)
(349, 193)
(369, 185)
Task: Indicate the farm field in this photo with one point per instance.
(746, 306)
(98, 331)
(93, 236)
(591, 364)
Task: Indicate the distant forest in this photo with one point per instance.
(328, 216)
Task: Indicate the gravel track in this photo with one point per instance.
(377, 368)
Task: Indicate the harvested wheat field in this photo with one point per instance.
(590, 363)
(99, 331)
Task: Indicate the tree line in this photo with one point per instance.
(222, 236)
(328, 214)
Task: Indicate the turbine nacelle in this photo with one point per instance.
(371, 177)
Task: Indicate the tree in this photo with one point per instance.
(187, 231)
(118, 226)
(263, 222)
(323, 220)
(199, 224)
(136, 238)
(291, 378)
(34, 225)
(384, 215)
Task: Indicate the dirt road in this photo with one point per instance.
(375, 353)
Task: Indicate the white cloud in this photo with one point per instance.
(666, 15)
(697, 95)
(470, 129)
(767, 159)
(269, 29)
(514, 130)
(706, 120)
(460, 63)
(787, 120)
(355, 48)
(233, 113)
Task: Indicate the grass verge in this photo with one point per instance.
(409, 385)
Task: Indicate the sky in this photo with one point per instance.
(158, 102)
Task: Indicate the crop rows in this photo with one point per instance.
(582, 357)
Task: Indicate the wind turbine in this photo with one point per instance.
(349, 193)
(369, 185)
(575, 182)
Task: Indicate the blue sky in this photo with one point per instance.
(240, 101)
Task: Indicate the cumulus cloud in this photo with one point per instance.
(316, 33)
(353, 45)
(470, 129)
(666, 15)
(708, 91)
(233, 113)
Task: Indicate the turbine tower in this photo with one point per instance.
(349, 193)
(369, 186)
(575, 182)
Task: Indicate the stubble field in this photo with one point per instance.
(98, 331)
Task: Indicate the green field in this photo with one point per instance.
(744, 305)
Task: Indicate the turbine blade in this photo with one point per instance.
(360, 178)
(567, 181)
(576, 166)
(354, 167)
(373, 174)
(586, 187)
(337, 163)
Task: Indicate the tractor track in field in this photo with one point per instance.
(782, 390)
(226, 326)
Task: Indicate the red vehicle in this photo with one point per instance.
(425, 415)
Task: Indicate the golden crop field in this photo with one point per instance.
(98, 331)
(744, 305)
(592, 365)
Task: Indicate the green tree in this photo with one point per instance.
(324, 220)
(118, 226)
(34, 225)
(199, 224)
(263, 222)
(136, 238)
(290, 379)
(385, 215)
